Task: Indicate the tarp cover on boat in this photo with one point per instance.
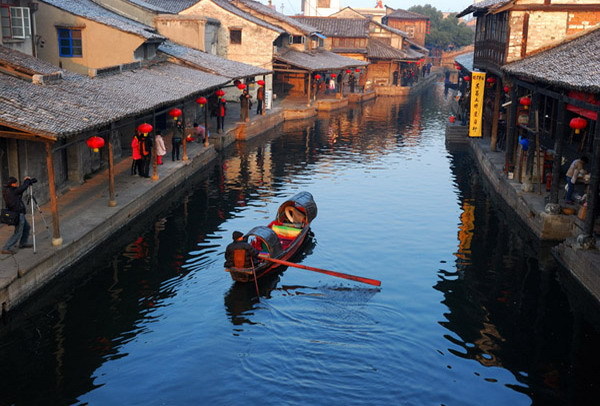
(269, 240)
(301, 208)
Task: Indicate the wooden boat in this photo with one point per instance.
(282, 238)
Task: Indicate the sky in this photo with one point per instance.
(293, 6)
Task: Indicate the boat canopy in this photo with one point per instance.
(269, 241)
(301, 208)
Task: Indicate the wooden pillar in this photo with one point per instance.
(264, 107)
(511, 130)
(112, 202)
(184, 135)
(56, 238)
(559, 140)
(309, 88)
(593, 202)
(153, 155)
(495, 116)
(205, 107)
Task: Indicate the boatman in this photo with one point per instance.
(240, 254)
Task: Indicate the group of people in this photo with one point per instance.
(335, 83)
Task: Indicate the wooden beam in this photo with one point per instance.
(571, 8)
(22, 135)
(524, 35)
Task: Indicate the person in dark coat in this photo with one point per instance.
(176, 141)
(245, 105)
(13, 199)
(251, 258)
(221, 112)
(352, 82)
(146, 144)
(260, 99)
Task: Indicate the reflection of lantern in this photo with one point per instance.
(357, 70)
(175, 113)
(317, 76)
(260, 82)
(506, 89)
(348, 70)
(578, 124)
(452, 119)
(525, 101)
(201, 101)
(220, 93)
(95, 143)
(333, 75)
(241, 86)
(467, 78)
(144, 128)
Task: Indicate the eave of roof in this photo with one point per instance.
(267, 11)
(484, 6)
(318, 60)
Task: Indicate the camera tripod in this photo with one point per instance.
(31, 200)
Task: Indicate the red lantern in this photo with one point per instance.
(457, 67)
(506, 89)
(333, 75)
(491, 80)
(189, 138)
(348, 70)
(220, 93)
(317, 76)
(525, 101)
(201, 101)
(144, 128)
(260, 82)
(467, 78)
(175, 113)
(357, 70)
(95, 143)
(241, 86)
(452, 119)
(578, 124)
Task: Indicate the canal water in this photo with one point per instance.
(470, 310)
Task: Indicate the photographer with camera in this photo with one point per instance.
(12, 194)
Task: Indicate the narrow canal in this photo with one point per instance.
(470, 311)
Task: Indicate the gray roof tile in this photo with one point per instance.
(26, 63)
(92, 11)
(381, 50)
(573, 64)
(407, 15)
(268, 11)
(211, 63)
(338, 27)
(232, 8)
(318, 60)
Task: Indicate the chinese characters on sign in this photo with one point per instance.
(477, 88)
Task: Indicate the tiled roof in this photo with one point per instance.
(172, 6)
(407, 15)
(92, 11)
(230, 6)
(211, 63)
(338, 27)
(318, 60)
(484, 5)
(26, 63)
(78, 103)
(268, 11)
(391, 29)
(573, 64)
(412, 54)
(466, 60)
(380, 50)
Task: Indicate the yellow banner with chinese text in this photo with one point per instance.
(477, 89)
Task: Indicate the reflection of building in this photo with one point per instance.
(465, 231)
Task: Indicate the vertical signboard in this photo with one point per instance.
(477, 89)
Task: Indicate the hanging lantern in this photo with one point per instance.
(578, 124)
(95, 143)
(506, 89)
(317, 76)
(467, 78)
(525, 101)
(144, 128)
(220, 93)
(452, 119)
(348, 70)
(357, 70)
(457, 67)
(201, 101)
(241, 86)
(333, 75)
(175, 113)
(491, 81)
(260, 82)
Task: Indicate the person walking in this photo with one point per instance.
(12, 194)
(221, 112)
(576, 169)
(176, 141)
(146, 151)
(245, 104)
(135, 154)
(352, 82)
(260, 99)
(161, 150)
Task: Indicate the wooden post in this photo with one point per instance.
(153, 155)
(184, 136)
(558, 149)
(264, 107)
(590, 218)
(308, 89)
(511, 130)
(56, 238)
(495, 116)
(205, 107)
(112, 202)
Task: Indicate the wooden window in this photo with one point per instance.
(69, 43)
(296, 39)
(235, 36)
(410, 30)
(15, 21)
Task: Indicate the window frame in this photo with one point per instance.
(71, 46)
(231, 36)
(8, 22)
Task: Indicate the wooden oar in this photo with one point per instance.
(325, 271)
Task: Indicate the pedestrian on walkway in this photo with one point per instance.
(221, 112)
(12, 194)
(362, 82)
(352, 81)
(176, 141)
(135, 154)
(576, 169)
(146, 151)
(260, 99)
(161, 150)
(245, 105)
(340, 82)
(395, 78)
